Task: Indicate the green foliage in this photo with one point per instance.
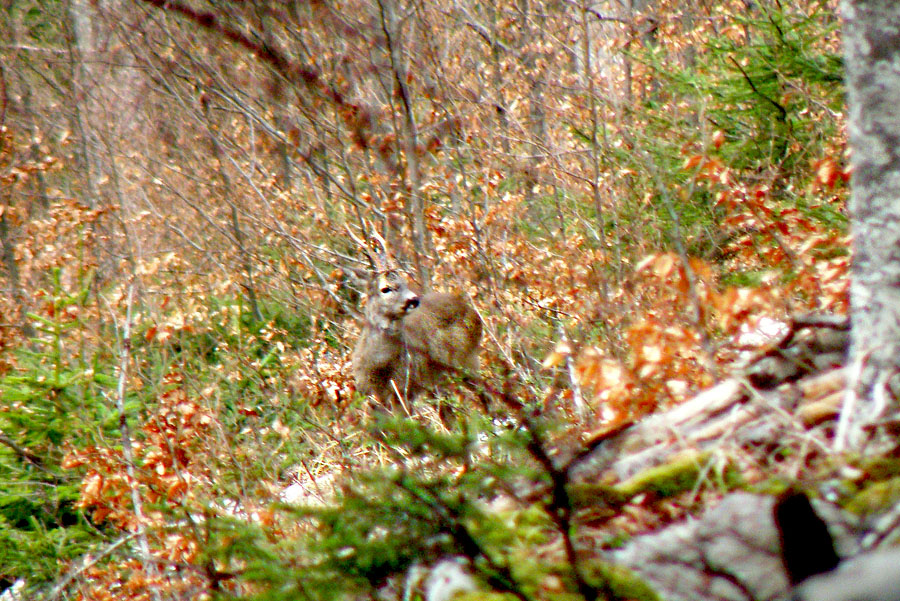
(774, 93)
(428, 502)
(771, 86)
(39, 552)
(440, 494)
(52, 399)
(416, 508)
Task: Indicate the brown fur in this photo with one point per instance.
(409, 341)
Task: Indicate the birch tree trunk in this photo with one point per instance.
(872, 54)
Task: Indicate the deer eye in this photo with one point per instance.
(385, 289)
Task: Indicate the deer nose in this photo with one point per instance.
(411, 303)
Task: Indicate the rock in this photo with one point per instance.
(447, 578)
(730, 553)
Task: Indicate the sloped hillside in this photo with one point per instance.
(644, 203)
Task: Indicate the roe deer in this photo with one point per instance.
(409, 341)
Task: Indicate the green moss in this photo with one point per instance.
(772, 486)
(593, 494)
(881, 468)
(678, 475)
(622, 583)
(875, 497)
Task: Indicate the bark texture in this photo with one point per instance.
(872, 54)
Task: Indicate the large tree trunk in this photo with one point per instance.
(872, 53)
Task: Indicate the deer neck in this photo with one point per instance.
(385, 326)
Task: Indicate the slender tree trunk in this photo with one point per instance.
(497, 75)
(82, 51)
(532, 37)
(39, 182)
(595, 125)
(872, 53)
(416, 210)
(237, 233)
(8, 259)
(628, 10)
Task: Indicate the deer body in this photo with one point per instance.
(409, 341)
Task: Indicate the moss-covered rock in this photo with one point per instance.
(681, 473)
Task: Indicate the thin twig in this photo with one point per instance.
(89, 561)
(781, 110)
(124, 359)
(22, 452)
